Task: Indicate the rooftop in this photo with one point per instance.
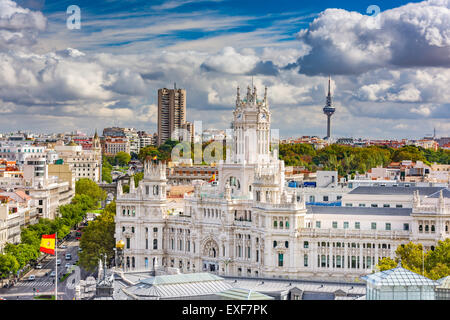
(379, 211)
(398, 276)
(399, 190)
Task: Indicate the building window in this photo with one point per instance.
(318, 224)
(305, 244)
(146, 243)
(287, 224)
(305, 260)
(132, 229)
(349, 205)
(335, 224)
(420, 228)
(433, 228)
(280, 259)
(373, 226)
(399, 206)
(128, 243)
(374, 205)
(362, 204)
(406, 226)
(325, 198)
(388, 226)
(286, 244)
(155, 244)
(275, 224)
(386, 205)
(357, 225)
(323, 261)
(155, 229)
(345, 225)
(257, 255)
(274, 244)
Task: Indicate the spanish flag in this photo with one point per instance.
(48, 243)
(213, 178)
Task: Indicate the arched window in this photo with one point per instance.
(426, 228)
(420, 228)
(286, 244)
(275, 224)
(281, 224)
(132, 229)
(128, 262)
(287, 224)
(132, 262)
(433, 228)
(155, 244)
(274, 244)
(305, 260)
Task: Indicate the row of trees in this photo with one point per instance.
(98, 239)
(434, 264)
(17, 256)
(350, 160)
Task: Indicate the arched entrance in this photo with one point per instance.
(210, 254)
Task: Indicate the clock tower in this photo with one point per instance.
(251, 123)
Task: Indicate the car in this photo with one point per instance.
(32, 277)
(68, 256)
(39, 266)
(52, 274)
(79, 249)
(68, 265)
(63, 246)
(58, 262)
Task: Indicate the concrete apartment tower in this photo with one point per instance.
(171, 112)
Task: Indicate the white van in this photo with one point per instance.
(68, 256)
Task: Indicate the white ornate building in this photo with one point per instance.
(250, 224)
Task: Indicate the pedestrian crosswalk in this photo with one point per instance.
(34, 284)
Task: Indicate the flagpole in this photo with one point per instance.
(56, 265)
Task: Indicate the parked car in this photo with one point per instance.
(39, 266)
(58, 262)
(32, 277)
(52, 274)
(63, 246)
(68, 256)
(68, 265)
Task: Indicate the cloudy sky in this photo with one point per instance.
(390, 73)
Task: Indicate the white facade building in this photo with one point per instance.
(248, 223)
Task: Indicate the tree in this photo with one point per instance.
(122, 158)
(98, 238)
(437, 262)
(88, 187)
(434, 264)
(149, 151)
(386, 264)
(8, 263)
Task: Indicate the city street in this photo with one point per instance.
(44, 283)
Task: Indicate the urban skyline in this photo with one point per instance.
(107, 73)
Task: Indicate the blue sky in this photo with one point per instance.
(388, 79)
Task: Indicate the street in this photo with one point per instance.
(44, 283)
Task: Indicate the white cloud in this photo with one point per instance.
(343, 42)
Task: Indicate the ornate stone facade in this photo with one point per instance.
(250, 224)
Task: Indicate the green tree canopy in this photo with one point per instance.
(88, 187)
(98, 238)
(8, 263)
(122, 158)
